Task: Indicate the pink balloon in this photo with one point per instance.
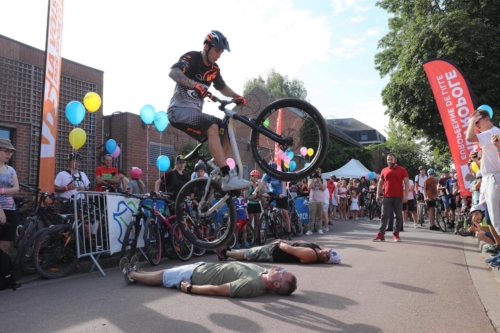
(279, 168)
(281, 154)
(303, 151)
(230, 163)
(287, 159)
(116, 153)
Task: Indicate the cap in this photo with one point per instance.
(179, 159)
(334, 257)
(5, 143)
(477, 208)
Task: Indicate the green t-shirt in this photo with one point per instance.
(484, 223)
(244, 279)
(250, 192)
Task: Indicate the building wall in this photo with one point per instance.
(21, 92)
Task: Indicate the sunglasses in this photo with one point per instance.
(479, 120)
(281, 272)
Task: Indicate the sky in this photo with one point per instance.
(329, 45)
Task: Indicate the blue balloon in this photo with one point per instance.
(307, 164)
(292, 165)
(111, 146)
(75, 112)
(290, 154)
(371, 175)
(148, 114)
(486, 108)
(163, 163)
(161, 121)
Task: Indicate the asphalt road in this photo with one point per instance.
(430, 282)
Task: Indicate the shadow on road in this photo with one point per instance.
(407, 287)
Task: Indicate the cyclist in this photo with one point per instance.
(450, 184)
(430, 196)
(194, 73)
(278, 188)
(236, 279)
(444, 196)
(419, 186)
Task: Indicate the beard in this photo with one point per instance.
(391, 165)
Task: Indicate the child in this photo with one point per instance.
(354, 205)
(480, 226)
(136, 186)
(242, 217)
(294, 190)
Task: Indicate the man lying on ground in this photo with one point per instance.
(234, 279)
(281, 251)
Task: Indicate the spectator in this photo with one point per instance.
(362, 188)
(480, 226)
(325, 219)
(200, 170)
(123, 180)
(293, 189)
(391, 179)
(254, 209)
(331, 184)
(475, 187)
(304, 189)
(136, 186)
(335, 202)
(430, 196)
(8, 215)
(234, 279)
(107, 175)
(343, 200)
(354, 204)
(70, 181)
(175, 179)
(419, 186)
(316, 187)
(241, 220)
(443, 181)
(410, 205)
(450, 193)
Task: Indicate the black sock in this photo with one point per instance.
(225, 170)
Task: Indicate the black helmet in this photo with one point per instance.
(200, 166)
(217, 39)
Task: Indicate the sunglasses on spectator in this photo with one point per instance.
(7, 151)
(479, 120)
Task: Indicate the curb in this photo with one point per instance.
(482, 246)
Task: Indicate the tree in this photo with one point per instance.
(278, 85)
(465, 32)
(339, 154)
(189, 148)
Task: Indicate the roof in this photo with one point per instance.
(350, 124)
(352, 169)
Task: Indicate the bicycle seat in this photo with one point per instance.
(196, 151)
(65, 216)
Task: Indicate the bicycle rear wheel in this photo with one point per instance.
(55, 252)
(183, 249)
(440, 221)
(296, 224)
(129, 245)
(371, 210)
(152, 241)
(190, 223)
(25, 253)
(421, 215)
(263, 228)
(304, 130)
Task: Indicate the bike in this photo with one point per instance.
(305, 128)
(272, 217)
(295, 222)
(421, 212)
(440, 218)
(373, 206)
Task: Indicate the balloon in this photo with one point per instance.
(230, 163)
(310, 152)
(163, 163)
(371, 175)
(287, 165)
(287, 159)
(486, 108)
(75, 112)
(290, 154)
(293, 165)
(110, 146)
(281, 154)
(161, 121)
(266, 123)
(307, 164)
(77, 138)
(303, 151)
(474, 167)
(148, 114)
(278, 168)
(116, 153)
(92, 101)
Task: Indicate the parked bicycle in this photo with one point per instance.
(373, 206)
(272, 217)
(304, 127)
(440, 218)
(295, 222)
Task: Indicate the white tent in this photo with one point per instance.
(353, 169)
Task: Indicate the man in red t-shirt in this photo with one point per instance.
(106, 174)
(391, 179)
(330, 185)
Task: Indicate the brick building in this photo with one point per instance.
(21, 93)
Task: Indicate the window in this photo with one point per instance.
(364, 137)
(157, 149)
(245, 171)
(5, 133)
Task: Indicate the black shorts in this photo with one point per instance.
(282, 203)
(8, 230)
(453, 204)
(192, 122)
(431, 203)
(420, 196)
(411, 205)
(254, 208)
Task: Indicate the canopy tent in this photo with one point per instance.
(353, 169)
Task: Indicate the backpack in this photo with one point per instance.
(6, 279)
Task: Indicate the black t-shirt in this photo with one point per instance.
(193, 67)
(173, 181)
(282, 257)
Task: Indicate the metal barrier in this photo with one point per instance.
(91, 226)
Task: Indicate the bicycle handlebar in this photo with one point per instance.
(222, 103)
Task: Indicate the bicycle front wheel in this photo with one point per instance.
(191, 222)
(55, 252)
(129, 245)
(183, 249)
(296, 224)
(25, 256)
(371, 210)
(152, 241)
(440, 221)
(304, 131)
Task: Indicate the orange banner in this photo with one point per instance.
(456, 103)
(277, 149)
(53, 60)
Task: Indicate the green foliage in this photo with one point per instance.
(189, 148)
(465, 32)
(278, 85)
(338, 155)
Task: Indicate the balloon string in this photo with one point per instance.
(147, 159)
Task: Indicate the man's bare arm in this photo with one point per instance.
(226, 91)
(178, 76)
(211, 290)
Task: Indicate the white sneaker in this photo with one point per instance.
(320, 232)
(232, 182)
(356, 218)
(309, 233)
(327, 229)
(415, 225)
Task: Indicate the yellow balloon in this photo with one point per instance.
(474, 167)
(310, 152)
(287, 165)
(77, 138)
(92, 101)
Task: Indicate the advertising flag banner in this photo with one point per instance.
(51, 87)
(456, 103)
